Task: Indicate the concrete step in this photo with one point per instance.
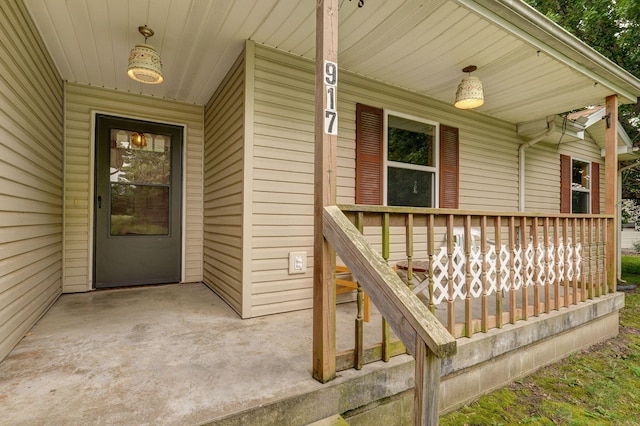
(336, 420)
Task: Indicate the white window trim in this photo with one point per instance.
(387, 163)
(582, 189)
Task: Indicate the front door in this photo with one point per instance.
(137, 232)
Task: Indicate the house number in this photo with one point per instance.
(330, 112)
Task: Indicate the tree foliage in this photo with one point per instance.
(611, 27)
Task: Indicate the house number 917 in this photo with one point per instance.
(330, 112)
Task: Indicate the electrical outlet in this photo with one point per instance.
(298, 262)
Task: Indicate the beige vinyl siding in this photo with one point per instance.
(224, 169)
(81, 102)
(283, 165)
(282, 181)
(542, 181)
(31, 153)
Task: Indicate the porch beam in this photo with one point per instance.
(611, 186)
(324, 294)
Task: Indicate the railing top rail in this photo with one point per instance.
(425, 211)
(406, 314)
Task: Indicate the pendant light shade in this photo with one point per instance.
(144, 61)
(470, 93)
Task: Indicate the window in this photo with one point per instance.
(406, 161)
(411, 166)
(579, 186)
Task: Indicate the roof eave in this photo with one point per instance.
(529, 24)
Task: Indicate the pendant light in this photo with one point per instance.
(470, 93)
(144, 61)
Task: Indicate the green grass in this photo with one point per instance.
(598, 386)
(630, 270)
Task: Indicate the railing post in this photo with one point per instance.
(325, 147)
(427, 386)
(359, 337)
(386, 331)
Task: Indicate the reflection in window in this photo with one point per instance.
(580, 186)
(140, 169)
(411, 165)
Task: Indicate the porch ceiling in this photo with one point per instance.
(419, 45)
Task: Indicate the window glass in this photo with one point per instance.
(411, 164)
(580, 186)
(410, 141)
(140, 169)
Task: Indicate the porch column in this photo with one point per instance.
(611, 187)
(326, 141)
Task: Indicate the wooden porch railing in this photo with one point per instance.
(422, 334)
(479, 270)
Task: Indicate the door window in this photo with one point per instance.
(140, 172)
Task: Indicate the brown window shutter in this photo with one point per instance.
(449, 167)
(595, 188)
(565, 184)
(368, 155)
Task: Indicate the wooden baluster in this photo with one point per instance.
(605, 242)
(468, 314)
(359, 337)
(592, 261)
(524, 245)
(598, 269)
(483, 256)
(574, 245)
(556, 263)
(430, 252)
(498, 229)
(547, 282)
(451, 314)
(512, 272)
(536, 266)
(386, 331)
(409, 248)
(565, 244)
(584, 270)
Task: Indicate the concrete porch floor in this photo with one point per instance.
(171, 354)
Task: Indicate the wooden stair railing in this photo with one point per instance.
(422, 334)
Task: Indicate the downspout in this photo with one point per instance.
(521, 159)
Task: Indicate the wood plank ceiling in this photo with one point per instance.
(421, 45)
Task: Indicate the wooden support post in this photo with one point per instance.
(611, 188)
(428, 369)
(324, 294)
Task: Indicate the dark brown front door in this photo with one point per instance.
(137, 202)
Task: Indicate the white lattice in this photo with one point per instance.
(504, 268)
(459, 288)
(492, 276)
(561, 260)
(569, 260)
(551, 264)
(531, 267)
(542, 255)
(476, 272)
(517, 267)
(439, 270)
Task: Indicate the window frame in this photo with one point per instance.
(588, 191)
(435, 170)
